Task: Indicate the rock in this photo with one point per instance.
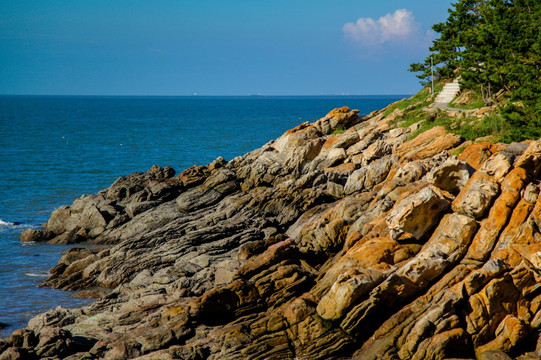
(376, 150)
(417, 213)
(340, 117)
(342, 141)
(510, 333)
(499, 213)
(493, 355)
(215, 187)
(355, 181)
(53, 341)
(58, 317)
(518, 227)
(193, 175)
(30, 235)
(369, 176)
(410, 172)
(345, 291)
(274, 254)
(60, 221)
(159, 173)
(446, 246)
(531, 159)
(14, 353)
(335, 155)
(476, 154)
(428, 144)
(92, 218)
(451, 176)
(134, 209)
(318, 245)
(498, 165)
(476, 196)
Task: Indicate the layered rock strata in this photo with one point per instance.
(367, 244)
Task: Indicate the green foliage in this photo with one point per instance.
(524, 122)
(422, 98)
(469, 127)
(339, 130)
(457, 151)
(492, 125)
(493, 45)
(475, 101)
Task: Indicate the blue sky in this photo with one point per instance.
(211, 47)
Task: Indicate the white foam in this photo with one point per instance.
(4, 223)
(37, 275)
(16, 225)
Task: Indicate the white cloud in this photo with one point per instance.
(396, 27)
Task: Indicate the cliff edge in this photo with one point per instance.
(347, 238)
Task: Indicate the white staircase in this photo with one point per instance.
(448, 93)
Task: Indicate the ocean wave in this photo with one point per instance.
(5, 223)
(37, 274)
(17, 225)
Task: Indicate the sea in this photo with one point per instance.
(54, 149)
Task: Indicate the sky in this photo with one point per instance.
(214, 47)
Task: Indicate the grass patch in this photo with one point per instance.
(339, 130)
(430, 123)
(492, 125)
(458, 151)
(470, 128)
(468, 101)
(410, 119)
(421, 98)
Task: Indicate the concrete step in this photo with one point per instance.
(448, 92)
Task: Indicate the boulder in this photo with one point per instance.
(61, 221)
(498, 165)
(345, 291)
(451, 176)
(476, 197)
(448, 244)
(34, 235)
(334, 156)
(485, 239)
(417, 213)
(476, 154)
(428, 144)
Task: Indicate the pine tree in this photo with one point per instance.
(494, 45)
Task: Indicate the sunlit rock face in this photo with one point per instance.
(345, 238)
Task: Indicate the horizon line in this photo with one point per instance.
(199, 95)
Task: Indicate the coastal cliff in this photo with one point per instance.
(351, 237)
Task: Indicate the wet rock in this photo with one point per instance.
(30, 235)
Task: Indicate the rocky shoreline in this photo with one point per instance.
(345, 238)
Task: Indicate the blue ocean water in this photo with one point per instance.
(54, 149)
